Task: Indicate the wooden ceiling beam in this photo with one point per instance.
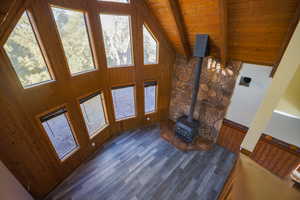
(292, 26)
(181, 29)
(223, 31)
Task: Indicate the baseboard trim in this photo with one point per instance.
(281, 144)
(235, 125)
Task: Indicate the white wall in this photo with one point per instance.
(10, 188)
(287, 68)
(290, 102)
(246, 100)
(285, 128)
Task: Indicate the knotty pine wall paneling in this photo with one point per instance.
(231, 135)
(256, 29)
(162, 72)
(276, 156)
(23, 148)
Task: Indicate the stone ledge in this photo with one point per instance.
(168, 134)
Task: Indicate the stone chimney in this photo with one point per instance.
(216, 88)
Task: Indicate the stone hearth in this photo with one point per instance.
(168, 133)
(216, 88)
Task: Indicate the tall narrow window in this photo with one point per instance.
(59, 131)
(150, 94)
(150, 47)
(73, 33)
(117, 40)
(124, 102)
(92, 108)
(25, 55)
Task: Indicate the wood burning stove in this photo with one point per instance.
(186, 127)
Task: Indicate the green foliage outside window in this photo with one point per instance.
(73, 33)
(25, 55)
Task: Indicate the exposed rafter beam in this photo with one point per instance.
(292, 26)
(223, 32)
(177, 15)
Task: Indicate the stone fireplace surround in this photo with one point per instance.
(216, 88)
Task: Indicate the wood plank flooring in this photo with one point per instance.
(140, 165)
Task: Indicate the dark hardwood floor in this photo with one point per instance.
(140, 165)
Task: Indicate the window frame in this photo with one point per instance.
(103, 104)
(157, 43)
(89, 37)
(41, 47)
(129, 15)
(156, 96)
(134, 100)
(48, 140)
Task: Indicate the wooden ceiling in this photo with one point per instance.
(252, 31)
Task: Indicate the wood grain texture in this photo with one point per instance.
(10, 13)
(181, 29)
(256, 29)
(6, 5)
(223, 14)
(292, 26)
(231, 135)
(34, 162)
(161, 10)
(202, 17)
(275, 157)
(141, 165)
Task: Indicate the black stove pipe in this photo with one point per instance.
(186, 127)
(195, 88)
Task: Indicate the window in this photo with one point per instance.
(117, 1)
(73, 33)
(92, 108)
(150, 90)
(124, 103)
(25, 54)
(117, 40)
(59, 131)
(150, 47)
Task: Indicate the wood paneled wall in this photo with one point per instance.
(202, 17)
(276, 156)
(23, 148)
(162, 10)
(231, 135)
(256, 29)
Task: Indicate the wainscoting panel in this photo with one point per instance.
(278, 157)
(231, 135)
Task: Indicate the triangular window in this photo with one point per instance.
(25, 55)
(150, 47)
